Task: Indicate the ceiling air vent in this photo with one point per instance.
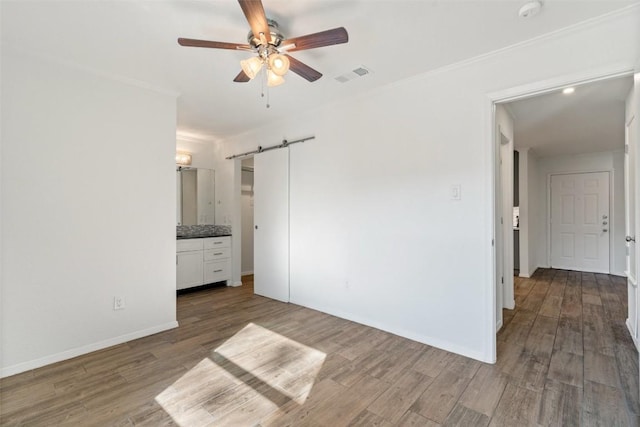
(360, 71)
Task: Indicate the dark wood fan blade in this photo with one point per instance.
(241, 78)
(254, 12)
(212, 44)
(303, 70)
(323, 38)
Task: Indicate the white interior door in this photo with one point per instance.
(271, 219)
(580, 221)
(631, 186)
(506, 166)
(498, 243)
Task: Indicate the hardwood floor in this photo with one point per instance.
(564, 358)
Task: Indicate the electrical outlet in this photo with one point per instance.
(118, 303)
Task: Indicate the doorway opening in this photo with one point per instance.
(247, 223)
(557, 134)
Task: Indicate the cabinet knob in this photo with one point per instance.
(256, 227)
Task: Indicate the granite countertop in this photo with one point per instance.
(202, 231)
(203, 236)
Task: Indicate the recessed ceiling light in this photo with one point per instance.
(568, 90)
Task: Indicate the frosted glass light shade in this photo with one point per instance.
(273, 79)
(279, 64)
(251, 66)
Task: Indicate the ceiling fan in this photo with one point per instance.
(272, 49)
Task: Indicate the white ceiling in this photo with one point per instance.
(396, 39)
(589, 120)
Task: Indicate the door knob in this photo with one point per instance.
(630, 239)
(604, 217)
(604, 230)
(604, 222)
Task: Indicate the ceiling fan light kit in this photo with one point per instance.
(271, 47)
(279, 64)
(273, 79)
(251, 66)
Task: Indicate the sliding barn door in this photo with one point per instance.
(271, 219)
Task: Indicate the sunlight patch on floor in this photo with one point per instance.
(251, 375)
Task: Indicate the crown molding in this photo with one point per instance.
(90, 70)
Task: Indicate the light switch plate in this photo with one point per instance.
(456, 192)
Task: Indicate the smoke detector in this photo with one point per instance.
(530, 9)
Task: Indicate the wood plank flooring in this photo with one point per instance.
(565, 358)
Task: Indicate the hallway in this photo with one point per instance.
(567, 351)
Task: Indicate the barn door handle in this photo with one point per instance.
(630, 239)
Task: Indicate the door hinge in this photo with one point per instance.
(501, 221)
(626, 148)
(502, 280)
(492, 242)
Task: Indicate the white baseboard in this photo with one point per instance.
(635, 341)
(79, 351)
(622, 273)
(235, 284)
(246, 273)
(425, 339)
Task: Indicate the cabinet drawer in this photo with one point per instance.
(217, 271)
(217, 254)
(185, 245)
(217, 242)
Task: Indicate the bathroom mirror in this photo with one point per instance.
(195, 196)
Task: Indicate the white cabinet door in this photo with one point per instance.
(580, 221)
(189, 269)
(271, 219)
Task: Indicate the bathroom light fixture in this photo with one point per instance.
(568, 90)
(183, 158)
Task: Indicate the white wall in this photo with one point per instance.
(605, 161)
(375, 236)
(88, 211)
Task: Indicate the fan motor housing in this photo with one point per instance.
(276, 35)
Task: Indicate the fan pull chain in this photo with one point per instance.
(268, 106)
(263, 82)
